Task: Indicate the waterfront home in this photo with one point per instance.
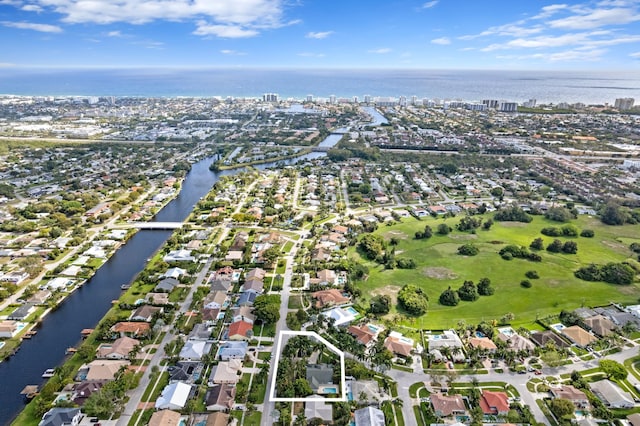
(174, 396)
(145, 313)
(181, 255)
(165, 418)
(166, 285)
(83, 390)
(132, 328)
(220, 397)
(119, 349)
(103, 369)
(22, 312)
(173, 273)
(61, 417)
(58, 283)
(9, 328)
(158, 298)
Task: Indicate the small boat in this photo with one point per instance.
(70, 350)
(49, 372)
(125, 286)
(29, 334)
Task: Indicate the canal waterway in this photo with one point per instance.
(84, 308)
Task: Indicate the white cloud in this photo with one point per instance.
(429, 4)
(564, 56)
(31, 8)
(597, 18)
(224, 18)
(114, 34)
(550, 10)
(224, 31)
(150, 44)
(43, 28)
(381, 50)
(311, 55)
(232, 52)
(6, 65)
(635, 55)
(319, 35)
(442, 41)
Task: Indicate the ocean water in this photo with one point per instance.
(590, 87)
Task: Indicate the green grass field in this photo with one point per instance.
(439, 266)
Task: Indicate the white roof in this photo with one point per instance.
(174, 396)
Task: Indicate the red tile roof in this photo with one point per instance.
(494, 402)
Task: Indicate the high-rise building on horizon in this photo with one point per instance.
(270, 97)
(624, 104)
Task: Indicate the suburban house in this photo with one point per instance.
(240, 330)
(61, 416)
(145, 313)
(215, 300)
(316, 406)
(243, 313)
(220, 285)
(41, 297)
(217, 418)
(398, 344)
(547, 336)
(494, 403)
(369, 416)
(256, 273)
(119, 349)
(200, 331)
(194, 350)
(22, 312)
(253, 284)
(232, 350)
(329, 297)
(447, 405)
(165, 418)
(579, 336)
(324, 277)
(448, 339)
(158, 298)
(104, 369)
(220, 397)
(247, 298)
(600, 325)
(516, 342)
(319, 376)
(611, 395)
(132, 328)
(482, 343)
(226, 372)
(174, 273)
(174, 396)
(83, 390)
(574, 395)
(363, 334)
(166, 285)
(9, 328)
(179, 256)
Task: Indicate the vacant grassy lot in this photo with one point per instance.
(439, 266)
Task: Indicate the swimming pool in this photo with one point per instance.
(329, 390)
(351, 310)
(374, 329)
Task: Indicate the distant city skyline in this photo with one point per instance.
(437, 34)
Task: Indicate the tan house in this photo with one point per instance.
(217, 419)
(574, 395)
(329, 297)
(578, 335)
(397, 346)
(226, 372)
(103, 369)
(119, 349)
(132, 328)
(600, 325)
(220, 397)
(165, 418)
(8, 328)
(483, 343)
(447, 405)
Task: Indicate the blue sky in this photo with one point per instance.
(438, 34)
